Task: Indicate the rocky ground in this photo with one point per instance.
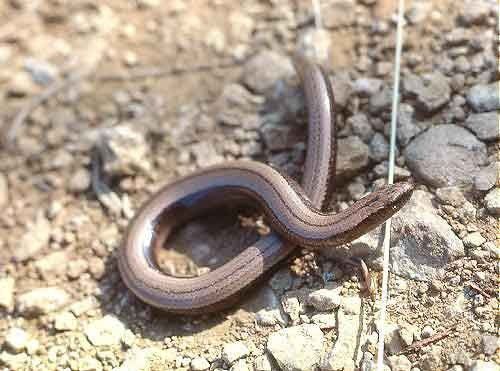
(104, 102)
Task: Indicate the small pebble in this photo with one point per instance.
(65, 321)
(234, 351)
(42, 301)
(492, 201)
(427, 332)
(199, 364)
(79, 181)
(16, 339)
(474, 239)
(105, 331)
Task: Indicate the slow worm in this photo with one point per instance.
(297, 214)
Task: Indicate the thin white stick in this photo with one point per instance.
(317, 14)
(390, 180)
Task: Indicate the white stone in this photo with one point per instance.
(34, 240)
(42, 301)
(199, 364)
(297, 348)
(427, 332)
(53, 264)
(65, 321)
(16, 339)
(484, 366)
(105, 331)
(474, 239)
(32, 346)
(234, 351)
(123, 150)
(492, 201)
(14, 362)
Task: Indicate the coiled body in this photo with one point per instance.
(295, 213)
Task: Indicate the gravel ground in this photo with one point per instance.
(102, 103)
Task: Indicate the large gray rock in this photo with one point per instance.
(432, 91)
(484, 98)
(297, 348)
(484, 125)
(263, 71)
(446, 155)
(422, 242)
(352, 156)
